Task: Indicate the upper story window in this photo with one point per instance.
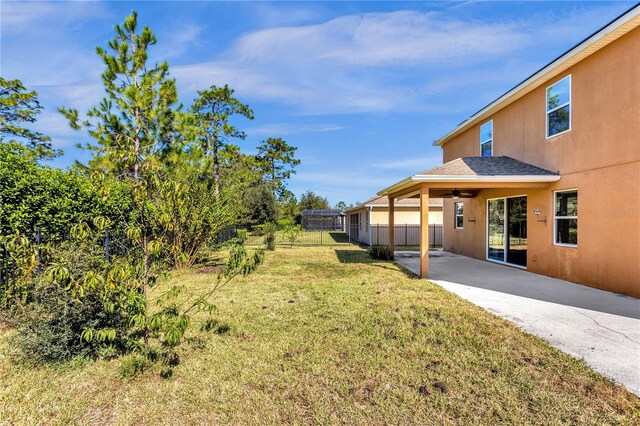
(459, 211)
(559, 107)
(566, 217)
(486, 139)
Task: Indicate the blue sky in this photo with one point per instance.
(361, 88)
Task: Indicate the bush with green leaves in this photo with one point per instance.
(35, 196)
(49, 326)
(24, 264)
(241, 236)
(380, 252)
(270, 231)
(293, 233)
(82, 304)
(52, 307)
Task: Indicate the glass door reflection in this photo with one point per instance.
(517, 231)
(496, 222)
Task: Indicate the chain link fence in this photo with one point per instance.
(111, 244)
(406, 236)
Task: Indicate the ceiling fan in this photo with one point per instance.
(455, 194)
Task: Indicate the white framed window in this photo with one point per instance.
(559, 107)
(486, 139)
(565, 218)
(458, 209)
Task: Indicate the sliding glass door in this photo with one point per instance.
(496, 230)
(507, 230)
(517, 230)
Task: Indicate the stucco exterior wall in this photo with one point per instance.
(600, 157)
(605, 115)
(404, 215)
(380, 216)
(362, 228)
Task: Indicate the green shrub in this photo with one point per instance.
(51, 317)
(270, 237)
(37, 196)
(258, 230)
(380, 252)
(285, 222)
(50, 325)
(241, 236)
(133, 365)
(293, 233)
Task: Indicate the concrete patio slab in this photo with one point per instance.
(600, 327)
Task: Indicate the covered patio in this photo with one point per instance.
(463, 177)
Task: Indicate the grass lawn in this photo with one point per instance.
(325, 335)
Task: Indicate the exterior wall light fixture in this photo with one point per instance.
(538, 212)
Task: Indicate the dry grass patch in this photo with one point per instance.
(320, 335)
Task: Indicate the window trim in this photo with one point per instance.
(482, 142)
(455, 215)
(555, 223)
(547, 112)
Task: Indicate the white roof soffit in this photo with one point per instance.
(468, 179)
(616, 29)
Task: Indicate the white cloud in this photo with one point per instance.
(27, 16)
(53, 124)
(80, 94)
(349, 184)
(380, 62)
(349, 64)
(174, 41)
(21, 16)
(282, 129)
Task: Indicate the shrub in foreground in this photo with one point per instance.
(83, 305)
(270, 236)
(50, 325)
(380, 252)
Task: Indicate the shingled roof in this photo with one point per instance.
(487, 166)
(474, 170)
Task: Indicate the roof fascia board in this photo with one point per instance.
(403, 206)
(498, 178)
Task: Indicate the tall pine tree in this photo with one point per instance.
(213, 111)
(19, 107)
(277, 162)
(133, 126)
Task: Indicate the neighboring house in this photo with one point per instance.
(547, 177)
(368, 222)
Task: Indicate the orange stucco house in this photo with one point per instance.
(547, 177)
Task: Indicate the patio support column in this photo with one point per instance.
(391, 228)
(424, 231)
